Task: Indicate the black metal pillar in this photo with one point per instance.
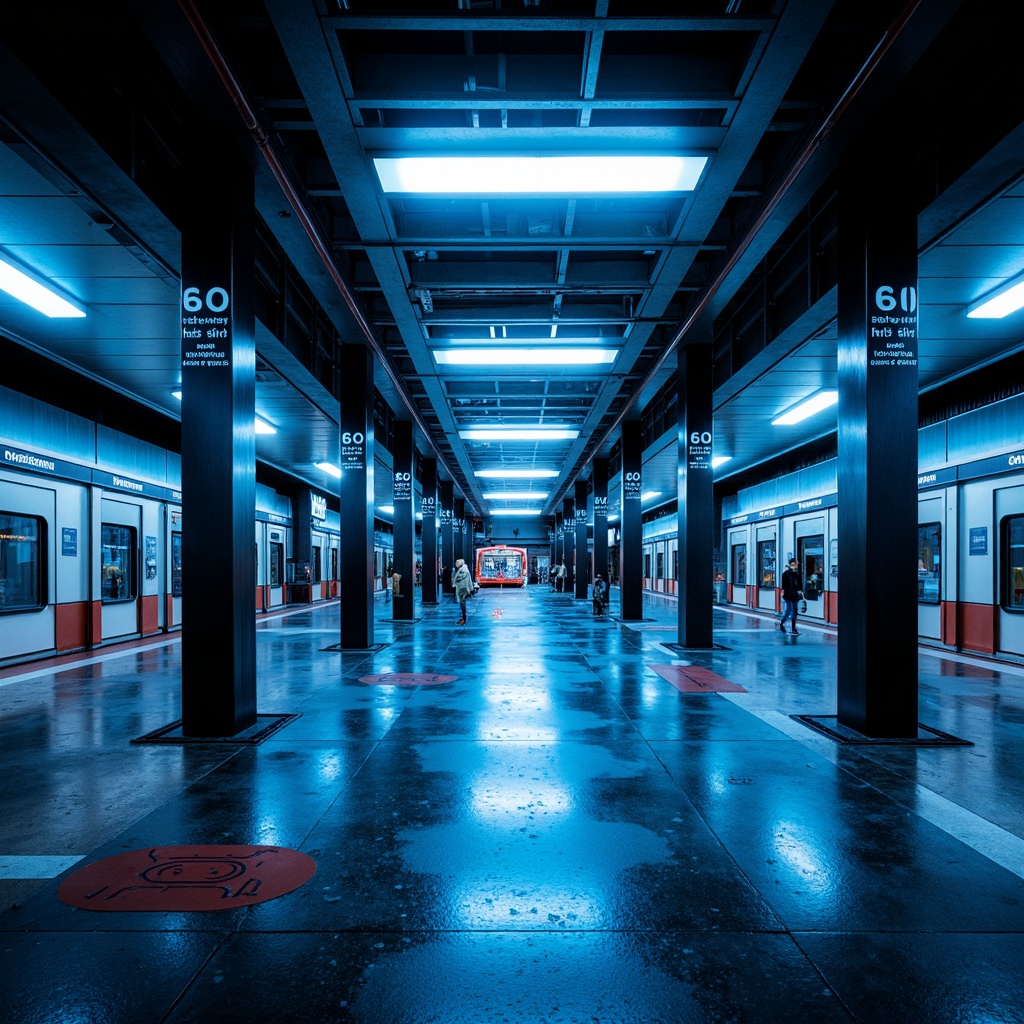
(582, 554)
(631, 579)
(428, 533)
(599, 484)
(355, 551)
(696, 497)
(459, 531)
(877, 474)
(447, 537)
(569, 544)
(404, 522)
(218, 442)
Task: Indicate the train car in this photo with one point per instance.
(970, 544)
(501, 567)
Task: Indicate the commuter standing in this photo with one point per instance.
(792, 591)
(560, 573)
(463, 586)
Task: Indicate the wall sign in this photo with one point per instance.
(978, 540)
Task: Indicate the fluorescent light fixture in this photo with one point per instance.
(515, 512)
(389, 509)
(514, 495)
(1006, 299)
(719, 460)
(516, 474)
(647, 495)
(501, 356)
(176, 394)
(822, 400)
(17, 280)
(328, 467)
(538, 175)
(519, 434)
(612, 518)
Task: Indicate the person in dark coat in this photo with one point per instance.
(600, 594)
(792, 591)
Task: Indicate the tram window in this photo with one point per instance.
(316, 563)
(661, 565)
(1013, 563)
(929, 548)
(739, 565)
(766, 564)
(176, 564)
(647, 566)
(334, 563)
(22, 565)
(675, 564)
(118, 545)
(811, 559)
(276, 562)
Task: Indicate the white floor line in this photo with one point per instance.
(35, 867)
(95, 660)
(991, 841)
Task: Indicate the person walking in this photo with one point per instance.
(792, 591)
(600, 594)
(462, 584)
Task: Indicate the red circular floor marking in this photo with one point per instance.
(407, 679)
(183, 878)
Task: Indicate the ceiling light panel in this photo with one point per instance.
(538, 175)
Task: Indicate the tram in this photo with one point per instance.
(501, 567)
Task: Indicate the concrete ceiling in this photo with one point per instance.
(769, 92)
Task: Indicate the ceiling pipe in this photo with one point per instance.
(295, 200)
(796, 168)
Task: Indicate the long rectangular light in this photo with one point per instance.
(648, 495)
(502, 356)
(518, 434)
(538, 175)
(719, 460)
(30, 288)
(514, 495)
(1006, 299)
(822, 400)
(263, 427)
(515, 512)
(516, 474)
(329, 468)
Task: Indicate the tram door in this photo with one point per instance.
(811, 557)
(1010, 596)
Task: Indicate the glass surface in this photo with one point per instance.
(929, 548)
(1013, 563)
(766, 564)
(739, 565)
(176, 564)
(276, 561)
(117, 566)
(811, 559)
(21, 567)
(661, 565)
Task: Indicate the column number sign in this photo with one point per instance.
(205, 327)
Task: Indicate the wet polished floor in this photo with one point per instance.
(558, 834)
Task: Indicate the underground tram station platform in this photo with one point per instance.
(303, 303)
(542, 815)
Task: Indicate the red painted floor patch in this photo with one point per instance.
(693, 679)
(185, 878)
(407, 679)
